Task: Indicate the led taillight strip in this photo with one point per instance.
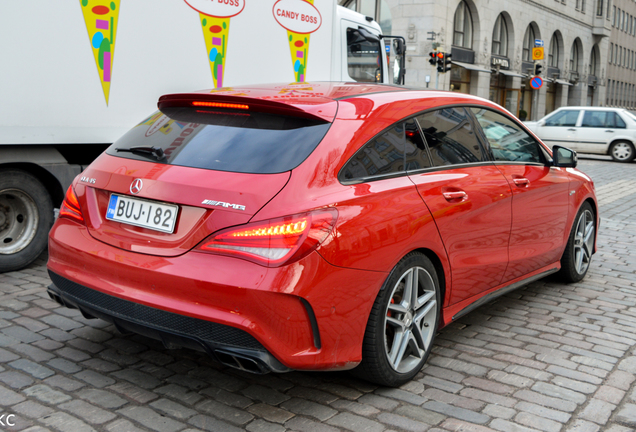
(220, 105)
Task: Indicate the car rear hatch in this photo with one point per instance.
(202, 163)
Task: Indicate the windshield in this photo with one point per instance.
(223, 140)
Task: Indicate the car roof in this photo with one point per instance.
(320, 99)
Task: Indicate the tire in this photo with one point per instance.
(622, 151)
(401, 328)
(578, 252)
(26, 216)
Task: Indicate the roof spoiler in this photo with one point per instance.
(322, 110)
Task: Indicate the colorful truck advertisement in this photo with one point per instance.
(215, 21)
(300, 18)
(100, 17)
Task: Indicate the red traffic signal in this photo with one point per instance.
(433, 58)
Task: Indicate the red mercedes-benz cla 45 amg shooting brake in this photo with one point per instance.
(328, 227)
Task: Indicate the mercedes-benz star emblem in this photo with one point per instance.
(135, 186)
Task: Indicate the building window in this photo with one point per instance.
(463, 31)
(614, 17)
(599, 8)
(611, 52)
(577, 6)
(500, 37)
(583, 6)
(553, 55)
(377, 9)
(592, 66)
(528, 43)
(574, 58)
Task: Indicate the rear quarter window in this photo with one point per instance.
(243, 142)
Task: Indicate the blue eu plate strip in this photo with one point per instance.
(112, 205)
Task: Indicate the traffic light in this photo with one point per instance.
(440, 62)
(443, 62)
(537, 69)
(433, 58)
(447, 62)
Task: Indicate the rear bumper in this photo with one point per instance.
(227, 345)
(309, 315)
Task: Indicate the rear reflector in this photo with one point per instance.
(70, 206)
(274, 242)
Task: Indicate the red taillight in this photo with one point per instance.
(70, 206)
(220, 105)
(274, 242)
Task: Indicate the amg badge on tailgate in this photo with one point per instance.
(223, 204)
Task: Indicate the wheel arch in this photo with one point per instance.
(439, 269)
(48, 180)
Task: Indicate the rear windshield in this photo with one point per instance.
(244, 142)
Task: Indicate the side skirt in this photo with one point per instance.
(501, 291)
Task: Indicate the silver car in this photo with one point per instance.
(596, 130)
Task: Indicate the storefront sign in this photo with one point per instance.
(502, 62)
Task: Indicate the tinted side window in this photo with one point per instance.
(507, 141)
(381, 156)
(563, 118)
(450, 137)
(415, 150)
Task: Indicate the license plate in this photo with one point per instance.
(143, 213)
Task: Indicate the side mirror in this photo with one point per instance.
(398, 46)
(564, 157)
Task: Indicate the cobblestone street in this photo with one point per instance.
(547, 357)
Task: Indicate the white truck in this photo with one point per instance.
(75, 75)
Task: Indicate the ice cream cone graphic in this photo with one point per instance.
(300, 18)
(100, 17)
(215, 22)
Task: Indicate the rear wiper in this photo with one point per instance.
(154, 151)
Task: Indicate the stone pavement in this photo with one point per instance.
(548, 357)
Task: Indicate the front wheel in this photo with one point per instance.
(402, 323)
(622, 151)
(578, 252)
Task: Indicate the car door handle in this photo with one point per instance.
(572, 130)
(521, 181)
(453, 196)
(610, 131)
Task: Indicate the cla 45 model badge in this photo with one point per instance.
(223, 204)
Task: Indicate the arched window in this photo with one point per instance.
(553, 55)
(592, 66)
(574, 58)
(500, 37)
(528, 44)
(463, 31)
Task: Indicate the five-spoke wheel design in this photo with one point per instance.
(410, 319)
(583, 241)
(578, 252)
(402, 323)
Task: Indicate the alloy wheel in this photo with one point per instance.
(410, 319)
(583, 241)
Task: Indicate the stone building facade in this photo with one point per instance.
(621, 76)
(492, 42)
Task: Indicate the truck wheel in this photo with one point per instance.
(26, 216)
(402, 324)
(622, 151)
